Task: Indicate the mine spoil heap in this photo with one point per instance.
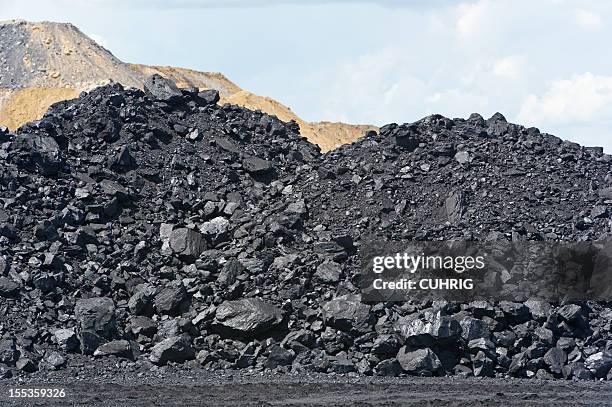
(162, 228)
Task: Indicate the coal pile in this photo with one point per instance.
(159, 228)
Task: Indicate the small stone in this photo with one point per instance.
(8, 352)
(187, 243)
(348, 313)
(209, 96)
(161, 88)
(256, 165)
(599, 363)
(55, 361)
(95, 321)
(463, 157)
(8, 288)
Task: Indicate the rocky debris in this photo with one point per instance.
(256, 165)
(160, 227)
(209, 96)
(54, 361)
(599, 364)
(27, 365)
(348, 313)
(279, 356)
(388, 367)
(429, 327)
(168, 300)
(328, 272)
(141, 301)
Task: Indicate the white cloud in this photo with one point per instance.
(588, 19)
(393, 85)
(582, 98)
(471, 17)
(509, 67)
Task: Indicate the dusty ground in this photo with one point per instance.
(202, 388)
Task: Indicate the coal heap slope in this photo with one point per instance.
(160, 227)
(473, 179)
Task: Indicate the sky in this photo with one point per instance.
(542, 63)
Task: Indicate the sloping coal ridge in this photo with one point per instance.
(160, 228)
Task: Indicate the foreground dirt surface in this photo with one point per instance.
(202, 388)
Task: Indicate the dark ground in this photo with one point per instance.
(201, 388)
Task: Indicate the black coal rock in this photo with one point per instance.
(247, 317)
(162, 221)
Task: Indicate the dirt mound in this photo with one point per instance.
(43, 63)
(56, 55)
(23, 105)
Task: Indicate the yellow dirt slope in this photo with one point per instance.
(44, 63)
(24, 105)
(327, 135)
(188, 77)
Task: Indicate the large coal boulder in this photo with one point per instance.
(421, 362)
(174, 349)
(8, 352)
(348, 313)
(37, 151)
(8, 287)
(162, 89)
(246, 318)
(431, 327)
(187, 243)
(95, 321)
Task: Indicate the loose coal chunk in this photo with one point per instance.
(174, 349)
(256, 165)
(162, 89)
(421, 362)
(96, 322)
(8, 288)
(247, 318)
(187, 243)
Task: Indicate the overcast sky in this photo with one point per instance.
(543, 63)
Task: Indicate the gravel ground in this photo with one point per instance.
(202, 388)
